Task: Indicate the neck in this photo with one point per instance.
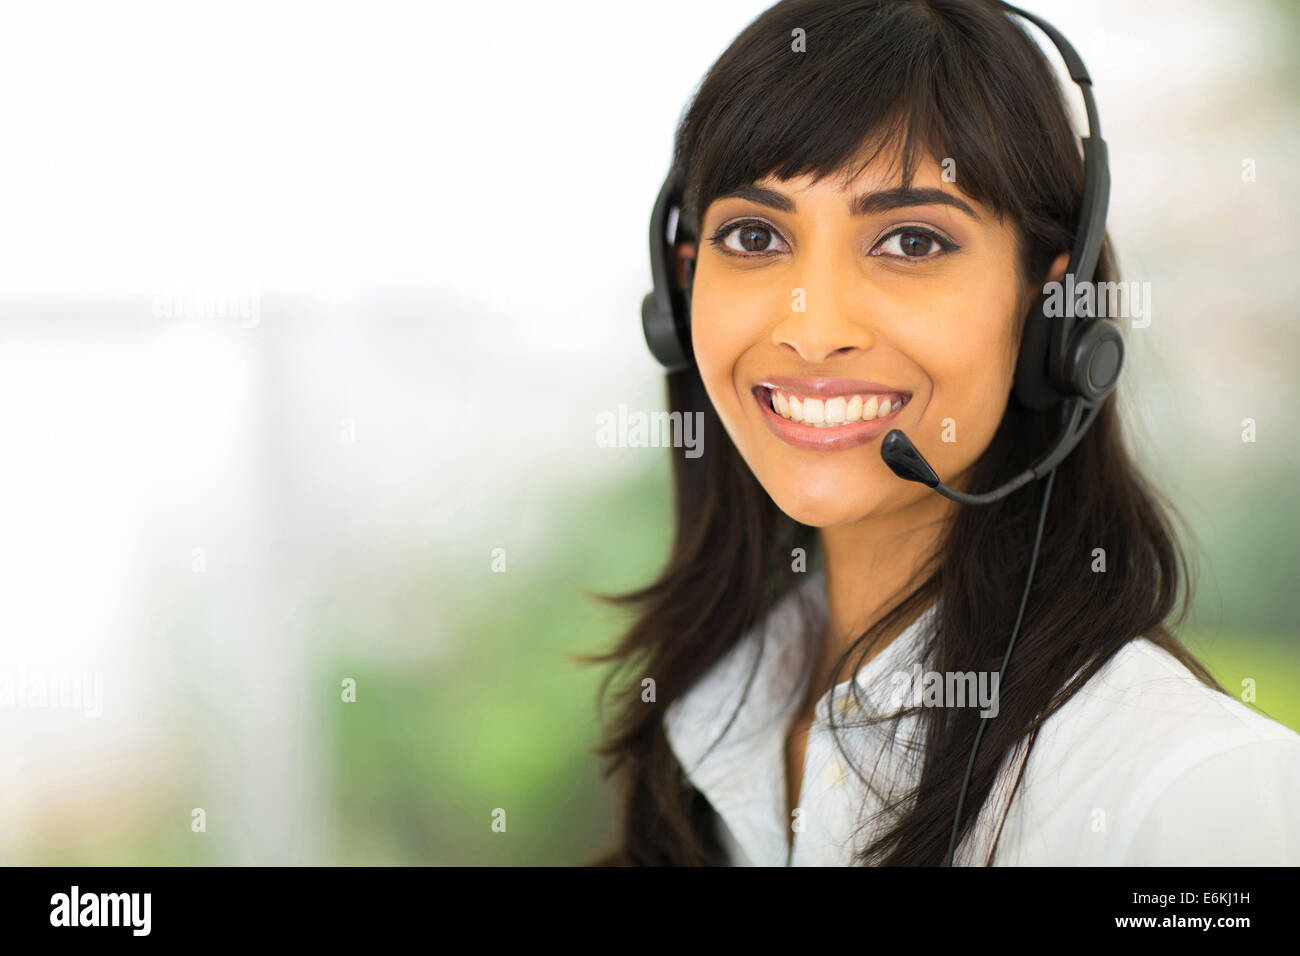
(872, 563)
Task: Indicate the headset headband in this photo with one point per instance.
(1060, 355)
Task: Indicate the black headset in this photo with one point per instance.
(1073, 359)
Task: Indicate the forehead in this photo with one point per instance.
(875, 179)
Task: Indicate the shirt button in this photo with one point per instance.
(848, 704)
(834, 775)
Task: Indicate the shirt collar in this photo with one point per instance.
(732, 747)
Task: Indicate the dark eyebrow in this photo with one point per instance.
(863, 205)
(869, 203)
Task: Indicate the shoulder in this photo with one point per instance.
(1147, 765)
(751, 687)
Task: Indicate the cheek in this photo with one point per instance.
(965, 345)
(723, 327)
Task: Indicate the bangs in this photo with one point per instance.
(902, 80)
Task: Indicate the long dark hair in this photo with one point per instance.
(961, 79)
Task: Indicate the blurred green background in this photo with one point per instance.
(423, 389)
(430, 749)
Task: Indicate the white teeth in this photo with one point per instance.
(832, 412)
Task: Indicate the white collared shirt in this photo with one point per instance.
(1145, 765)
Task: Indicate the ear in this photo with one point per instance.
(685, 264)
(1056, 272)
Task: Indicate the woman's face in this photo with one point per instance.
(833, 301)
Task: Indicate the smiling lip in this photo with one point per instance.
(838, 438)
(829, 387)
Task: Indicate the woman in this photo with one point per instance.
(876, 193)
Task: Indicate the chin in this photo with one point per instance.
(821, 511)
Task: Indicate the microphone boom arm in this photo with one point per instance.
(905, 461)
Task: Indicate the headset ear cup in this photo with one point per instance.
(661, 333)
(1096, 358)
(665, 317)
(1034, 387)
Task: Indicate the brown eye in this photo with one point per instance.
(754, 238)
(749, 238)
(915, 243)
(912, 244)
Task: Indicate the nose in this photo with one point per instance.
(825, 318)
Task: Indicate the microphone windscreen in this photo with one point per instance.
(905, 461)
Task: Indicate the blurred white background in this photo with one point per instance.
(289, 287)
